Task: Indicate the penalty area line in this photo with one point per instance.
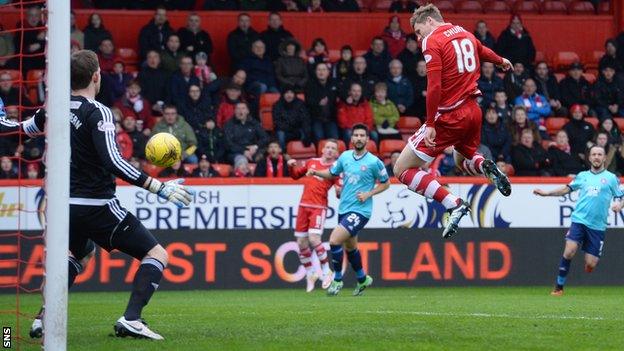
(491, 315)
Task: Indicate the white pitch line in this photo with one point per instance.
(490, 315)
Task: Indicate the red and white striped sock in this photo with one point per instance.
(425, 184)
(474, 166)
(305, 256)
(321, 253)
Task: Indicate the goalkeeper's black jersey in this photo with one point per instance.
(95, 157)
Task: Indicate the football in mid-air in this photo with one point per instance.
(163, 150)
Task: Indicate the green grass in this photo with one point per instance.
(502, 318)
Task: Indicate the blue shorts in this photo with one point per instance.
(353, 222)
(591, 240)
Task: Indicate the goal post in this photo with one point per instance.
(57, 177)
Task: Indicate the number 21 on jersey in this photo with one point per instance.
(464, 50)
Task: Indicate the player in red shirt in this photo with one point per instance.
(312, 212)
(453, 56)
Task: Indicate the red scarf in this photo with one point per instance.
(280, 167)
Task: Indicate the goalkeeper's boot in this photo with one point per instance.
(334, 288)
(456, 214)
(36, 329)
(136, 329)
(359, 288)
(311, 278)
(557, 291)
(497, 177)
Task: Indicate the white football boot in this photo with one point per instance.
(136, 329)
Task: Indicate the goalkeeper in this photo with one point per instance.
(96, 216)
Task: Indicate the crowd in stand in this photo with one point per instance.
(218, 118)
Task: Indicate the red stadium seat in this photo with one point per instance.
(527, 6)
(495, 6)
(334, 55)
(470, 6)
(581, 8)
(591, 78)
(593, 121)
(592, 58)
(223, 169)
(559, 76)
(382, 5)
(540, 56)
(16, 75)
(387, 147)
(445, 6)
(321, 144)
(511, 171)
(620, 122)
(129, 56)
(554, 8)
(266, 119)
(359, 53)
(297, 150)
(408, 125)
(563, 59)
(152, 170)
(267, 100)
(554, 124)
(190, 167)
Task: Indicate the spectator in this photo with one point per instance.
(394, 156)
(241, 168)
(503, 109)
(488, 83)
(529, 158)
(229, 100)
(153, 35)
(31, 40)
(175, 124)
(341, 6)
(244, 136)
(9, 94)
(133, 104)
(203, 72)
(7, 48)
(291, 119)
(95, 32)
(240, 39)
(220, 5)
(253, 5)
(564, 163)
(204, 170)
(74, 47)
(410, 56)
(194, 39)
(316, 6)
(419, 82)
(445, 162)
(344, 67)
(520, 122)
(619, 40)
(608, 126)
(274, 35)
(6, 169)
(609, 93)
(197, 107)
(75, 33)
(10, 143)
(575, 89)
(515, 43)
(107, 56)
(614, 153)
(354, 110)
(138, 137)
(611, 57)
(171, 56)
(394, 37)
(321, 94)
(403, 6)
(153, 80)
(318, 54)
(548, 86)
(181, 81)
(400, 90)
(385, 113)
(536, 105)
(284, 6)
(377, 58)
(175, 171)
(32, 171)
(579, 131)
(495, 136)
(514, 80)
(273, 165)
(119, 79)
(123, 141)
(360, 75)
(259, 68)
(482, 33)
(290, 69)
(211, 142)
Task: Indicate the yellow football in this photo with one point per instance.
(163, 150)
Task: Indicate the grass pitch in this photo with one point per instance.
(502, 318)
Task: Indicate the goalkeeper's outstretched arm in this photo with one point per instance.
(32, 127)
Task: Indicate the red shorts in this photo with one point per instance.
(310, 220)
(460, 128)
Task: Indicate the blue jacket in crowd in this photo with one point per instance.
(537, 106)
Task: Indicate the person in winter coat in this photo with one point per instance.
(515, 43)
(360, 75)
(274, 35)
(609, 127)
(274, 164)
(514, 80)
(482, 33)
(318, 54)
(400, 90)
(244, 136)
(579, 131)
(139, 137)
(609, 94)
(536, 105)
(260, 71)
(519, 122)
(133, 104)
(95, 32)
(385, 113)
(488, 84)
(394, 37)
(354, 110)
(154, 81)
(204, 169)
(529, 158)
(171, 56)
(344, 67)
(419, 82)
(410, 56)
(548, 86)
(378, 59)
(153, 35)
(119, 79)
(197, 108)
(575, 89)
(106, 55)
(291, 119)
(611, 57)
(240, 39)
(193, 39)
(495, 136)
(175, 124)
(231, 97)
(211, 142)
(290, 69)
(321, 95)
(181, 80)
(563, 162)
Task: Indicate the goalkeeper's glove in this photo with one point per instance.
(172, 191)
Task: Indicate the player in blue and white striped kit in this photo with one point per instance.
(597, 187)
(361, 170)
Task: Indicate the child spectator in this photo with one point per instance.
(503, 109)
(318, 54)
(119, 79)
(202, 71)
(385, 113)
(344, 66)
(204, 169)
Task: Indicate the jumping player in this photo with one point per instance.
(589, 219)
(312, 212)
(453, 56)
(96, 216)
(360, 170)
